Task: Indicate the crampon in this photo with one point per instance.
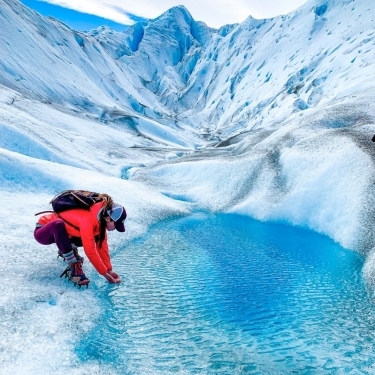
(75, 274)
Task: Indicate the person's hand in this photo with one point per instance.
(111, 279)
(114, 274)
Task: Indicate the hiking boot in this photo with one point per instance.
(75, 274)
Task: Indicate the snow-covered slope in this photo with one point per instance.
(257, 93)
(44, 60)
(253, 94)
(222, 82)
(264, 70)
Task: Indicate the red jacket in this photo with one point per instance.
(89, 227)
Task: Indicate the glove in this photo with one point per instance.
(111, 279)
(373, 138)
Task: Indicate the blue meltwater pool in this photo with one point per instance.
(225, 294)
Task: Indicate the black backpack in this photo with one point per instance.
(70, 199)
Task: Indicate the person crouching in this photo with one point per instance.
(87, 228)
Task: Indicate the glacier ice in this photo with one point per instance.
(268, 118)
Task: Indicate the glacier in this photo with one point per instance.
(269, 118)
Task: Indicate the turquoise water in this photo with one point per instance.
(225, 294)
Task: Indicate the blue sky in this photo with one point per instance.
(76, 20)
(88, 14)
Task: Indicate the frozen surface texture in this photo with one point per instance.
(268, 118)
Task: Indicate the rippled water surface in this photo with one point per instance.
(225, 294)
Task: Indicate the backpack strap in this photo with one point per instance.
(45, 212)
(81, 200)
(67, 222)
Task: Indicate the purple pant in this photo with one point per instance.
(54, 232)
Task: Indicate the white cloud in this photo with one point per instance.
(213, 14)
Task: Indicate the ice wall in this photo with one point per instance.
(311, 172)
(181, 73)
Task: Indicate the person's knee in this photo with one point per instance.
(59, 225)
(44, 235)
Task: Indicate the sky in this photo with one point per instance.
(118, 14)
